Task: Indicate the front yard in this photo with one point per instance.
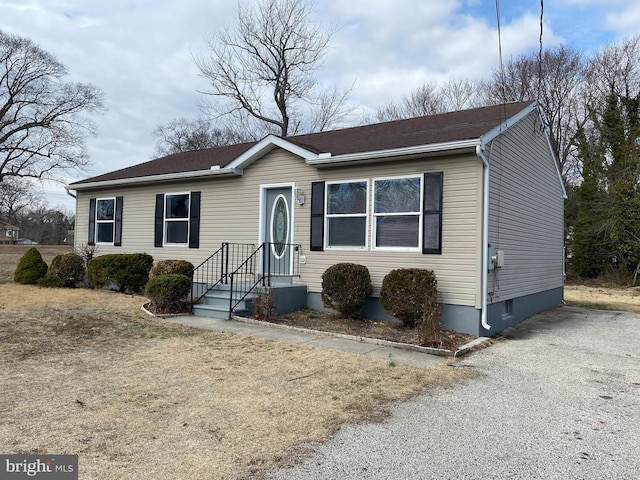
(86, 372)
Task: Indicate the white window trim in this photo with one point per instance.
(112, 222)
(165, 220)
(366, 216)
(374, 215)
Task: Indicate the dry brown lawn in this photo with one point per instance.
(604, 297)
(86, 372)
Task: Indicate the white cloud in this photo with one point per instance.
(140, 53)
(626, 21)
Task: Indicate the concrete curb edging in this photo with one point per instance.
(159, 315)
(442, 352)
(373, 341)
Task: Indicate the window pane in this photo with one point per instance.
(105, 232)
(177, 232)
(397, 195)
(177, 206)
(346, 198)
(397, 231)
(347, 232)
(104, 209)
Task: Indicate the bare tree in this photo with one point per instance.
(42, 130)
(263, 69)
(183, 135)
(45, 225)
(614, 68)
(16, 196)
(429, 99)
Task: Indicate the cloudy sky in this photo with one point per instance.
(140, 52)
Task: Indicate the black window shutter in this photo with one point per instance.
(92, 222)
(117, 238)
(194, 220)
(432, 213)
(317, 216)
(158, 230)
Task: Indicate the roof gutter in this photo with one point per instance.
(326, 159)
(213, 171)
(485, 237)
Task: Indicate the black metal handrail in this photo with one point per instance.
(283, 263)
(215, 269)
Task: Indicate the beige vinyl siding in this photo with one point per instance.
(229, 213)
(456, 268)
(526, 213)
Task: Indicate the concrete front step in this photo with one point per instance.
(215, 304)
(213, 311)
(286, 296)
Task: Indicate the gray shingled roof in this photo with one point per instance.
(433, 129)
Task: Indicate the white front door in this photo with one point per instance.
(278, 231)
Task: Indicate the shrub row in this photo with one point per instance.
(167, 282)
(409, 294)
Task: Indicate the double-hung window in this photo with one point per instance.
(406, 214)
(397, 212)
(105, 219)
(176, 219)
(346, 214)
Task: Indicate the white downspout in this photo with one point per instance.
(485, 236)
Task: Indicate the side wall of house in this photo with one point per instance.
(230, 213)
(525, 223)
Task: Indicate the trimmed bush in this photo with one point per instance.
(405, 292)
(68, 268)
(50, 281)
(124, 271)
(345, 287)
(167, 291)
(171, 267)
(31, 268)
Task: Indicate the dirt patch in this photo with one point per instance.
(394, 332)
(136, 397)
(603, 296)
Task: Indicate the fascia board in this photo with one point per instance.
(325, 160)
(153, 178)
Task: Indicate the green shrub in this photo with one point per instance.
(50, 281)
(167, 291)
(345, 287)
(170, 267)
(405, 291)
(31, 268)
(69, 268)
(124, 271)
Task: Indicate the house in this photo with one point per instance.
(474, 195)
(8, 233)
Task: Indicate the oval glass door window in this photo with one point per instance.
(279, 226)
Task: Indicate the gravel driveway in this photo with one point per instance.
(557, 398)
